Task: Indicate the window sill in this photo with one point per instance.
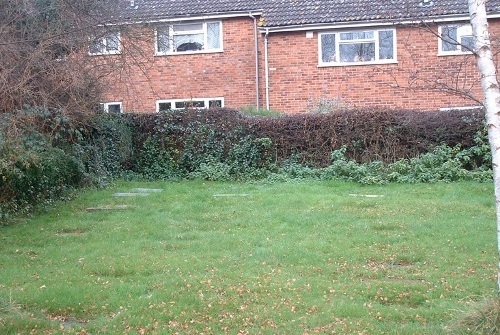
(392, 61)
(105, 53)
(454, 53)
(461, 108)
(160, 54)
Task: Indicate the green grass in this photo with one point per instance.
(229, 258)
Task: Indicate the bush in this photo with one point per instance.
(44, 154)
(32, 170)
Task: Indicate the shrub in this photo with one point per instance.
(32, 170)
(43, 153)
(156, 162)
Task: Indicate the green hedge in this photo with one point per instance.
(45, 155)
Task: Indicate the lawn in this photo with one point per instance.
(230, 258)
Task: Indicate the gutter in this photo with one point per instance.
(256, 48)
(188, 17)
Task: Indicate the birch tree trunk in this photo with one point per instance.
(489, 84)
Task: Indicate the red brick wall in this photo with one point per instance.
(140, 78)
(419, 80)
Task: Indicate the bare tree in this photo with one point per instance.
(44, 62)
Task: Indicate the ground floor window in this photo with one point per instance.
(177, 104)
(112, 107)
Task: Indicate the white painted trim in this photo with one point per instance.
(105, 106)
(205, 32)
(392, 61)
(173, 101)
(112, 52)
(212, 16)
(375, 40)
(462, 108)
(457, 52)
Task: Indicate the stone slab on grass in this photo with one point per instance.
(232, 195)
(108, 208)
(131, 194)
(367, 195)
(147, 190)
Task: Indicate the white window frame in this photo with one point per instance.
(375, 40)
(103, 40)
(173, 102)
(105, 106)
(172, 33)
(463, 30)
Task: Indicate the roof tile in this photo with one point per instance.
(277, 13)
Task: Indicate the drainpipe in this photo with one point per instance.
(266, 60)
(256, 48)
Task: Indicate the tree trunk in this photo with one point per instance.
(489, 84)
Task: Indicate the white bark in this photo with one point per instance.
(489, 84)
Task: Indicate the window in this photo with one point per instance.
(108, 44)
(189, 38)
(112, 107)
(357, 47)
(455, 39)
(165, 105)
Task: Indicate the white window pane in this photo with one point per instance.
(467, 43)
(188, 42)
(162, 39)
(215, 103)
(113, 42)
(357, 52)
(195, 103)
(213, 35)
(189, 104)
(449, 38)
(328, 48)
(97, 47)
(357, 35)
(164, 106)
(114, 108)
(386, 44)
(187, 27)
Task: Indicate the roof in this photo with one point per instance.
(281, 13)
(300, 12)
(164, 9)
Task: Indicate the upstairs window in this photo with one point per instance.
(108, 44)
(177, 104)
(189, 38)
(455, 39)
(357, 47)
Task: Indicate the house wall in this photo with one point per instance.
(139, 78)
(419, 80)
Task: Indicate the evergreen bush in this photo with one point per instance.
(44, 154)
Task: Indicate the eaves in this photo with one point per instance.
(188, 17)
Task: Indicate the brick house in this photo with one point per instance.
(289, 55)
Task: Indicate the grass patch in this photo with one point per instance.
(291, 258)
